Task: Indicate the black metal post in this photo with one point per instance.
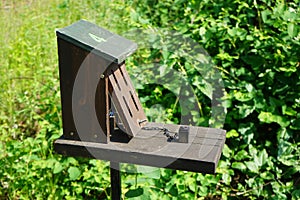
(115, 181)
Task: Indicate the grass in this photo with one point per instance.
(29, 72)
(30, 100)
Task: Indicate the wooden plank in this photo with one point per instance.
(90, 37)
(125, 99)
(84, 98)
(68, 67)
(153, 150)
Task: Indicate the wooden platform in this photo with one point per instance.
(151, 148)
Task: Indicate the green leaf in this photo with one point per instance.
(265, 117)
(74, 173)
(287, 69)
(288, 111)
(165, 53)
(205, 87)
(232, 133)
(150, 172)
(203, 191)
(70, 160)
(57, 168)
(253, 150)
(226, 178)
(259, 102)
(134, 192)
(174, 191)
(249, 87)
(226, 151)
(239, 165)
(267, 175)
(252, 166)
(253, 60)
(242, 96)
(265, 14)
(268, 117)
(295, 124)
(261, 159)
(263, 156)
(193, 186)
(241, 155)
(289, 16)
(296, 194)
(245, 110)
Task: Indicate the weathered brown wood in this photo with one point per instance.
(151, 148)
(85, 53)
(92, 69)
(73, 60)
(125, 99)
(68, 67)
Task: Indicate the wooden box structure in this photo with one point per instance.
(103, 117)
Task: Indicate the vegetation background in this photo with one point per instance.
(254, 43)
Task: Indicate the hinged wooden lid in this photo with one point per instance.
(102, 42)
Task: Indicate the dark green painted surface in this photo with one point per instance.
(100, 41)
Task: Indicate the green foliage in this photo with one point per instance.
(30, 117)
(253, 44)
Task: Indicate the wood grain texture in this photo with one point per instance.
(125, 99)
(92, 67)
(89, 95)
(151, 148)
(105, 44)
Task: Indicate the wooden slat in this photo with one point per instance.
(90, 37)
(125, 99)
(151, 148)
(91, 93)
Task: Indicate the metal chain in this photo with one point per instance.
(172, 136)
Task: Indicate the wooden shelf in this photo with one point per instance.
(151, 148)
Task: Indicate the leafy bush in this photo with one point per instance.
(30, 117)
(255, 45)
